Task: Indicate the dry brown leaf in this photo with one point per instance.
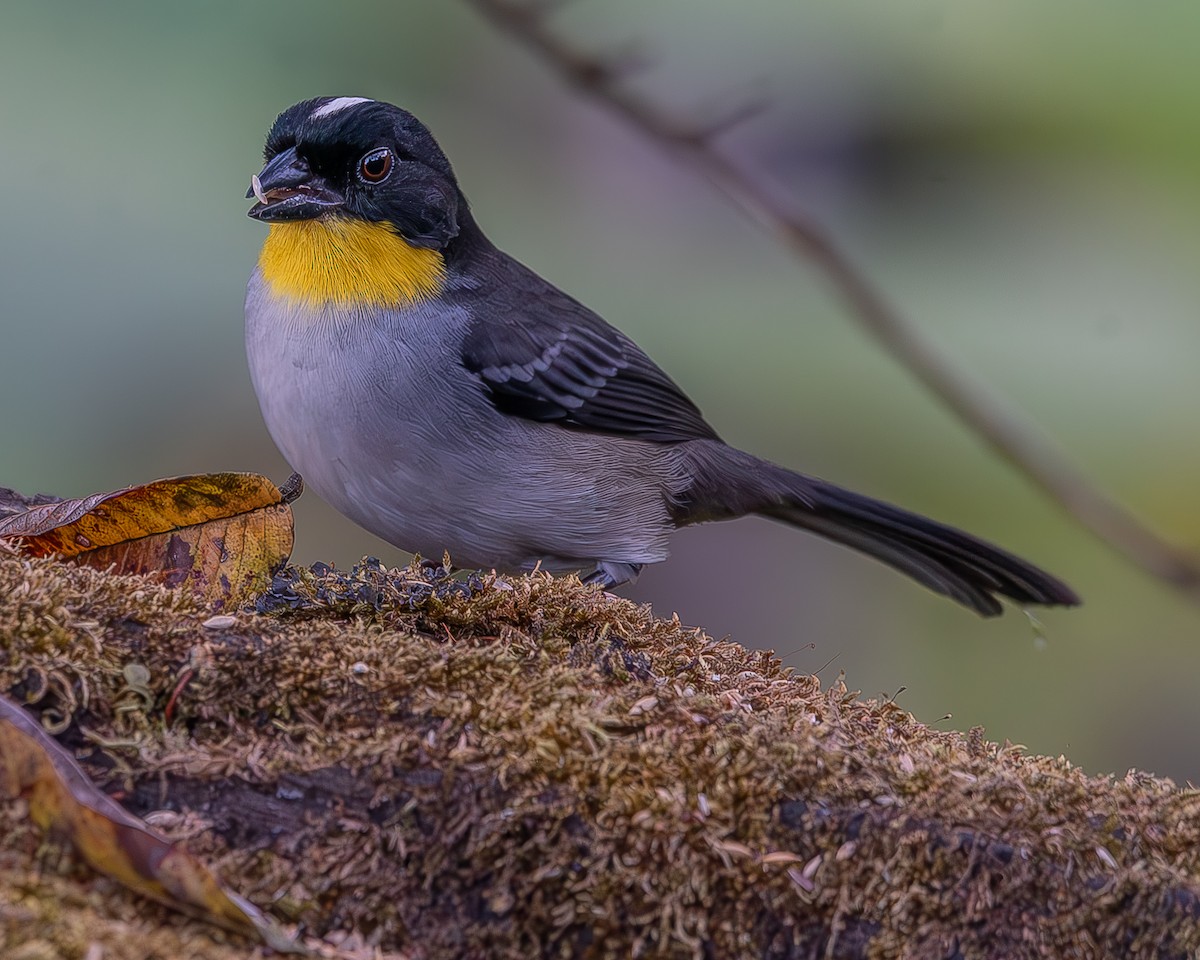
(220, 535)
(63, 801)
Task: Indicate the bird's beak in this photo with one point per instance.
(287, 189)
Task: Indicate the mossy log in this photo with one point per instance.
(408, 765)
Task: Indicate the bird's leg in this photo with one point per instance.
(609, 574)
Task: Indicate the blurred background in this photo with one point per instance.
(1020, 178)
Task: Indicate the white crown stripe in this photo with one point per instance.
(339, 103)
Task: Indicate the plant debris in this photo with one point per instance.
(219, 535)
(409, 763)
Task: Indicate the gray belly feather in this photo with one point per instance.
(374, 409)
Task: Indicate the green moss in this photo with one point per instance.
(528, 767)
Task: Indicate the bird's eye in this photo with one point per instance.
(376, 165)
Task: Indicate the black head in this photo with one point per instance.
(353, 157)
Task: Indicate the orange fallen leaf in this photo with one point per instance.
(63, 801)
(221, 535)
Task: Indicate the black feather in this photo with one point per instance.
(949, 561)
(728, 483)
(542, 355)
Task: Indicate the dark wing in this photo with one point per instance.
(544, 356)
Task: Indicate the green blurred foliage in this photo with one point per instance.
(1018, 177)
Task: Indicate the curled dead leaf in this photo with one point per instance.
(63, 801)
(219, 535)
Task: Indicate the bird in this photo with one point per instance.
(447, 398)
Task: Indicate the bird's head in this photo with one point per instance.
(363, 206)
(354, 158)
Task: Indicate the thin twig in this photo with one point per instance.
(1023, 446)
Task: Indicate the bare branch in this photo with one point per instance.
(1022, 445)
(735, 116)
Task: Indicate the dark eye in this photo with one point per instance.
(376, 165)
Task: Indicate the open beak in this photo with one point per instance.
(287, 189)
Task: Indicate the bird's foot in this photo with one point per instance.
(609, 574)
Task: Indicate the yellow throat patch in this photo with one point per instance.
(348, 263)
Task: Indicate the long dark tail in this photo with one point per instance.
(972, 571)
